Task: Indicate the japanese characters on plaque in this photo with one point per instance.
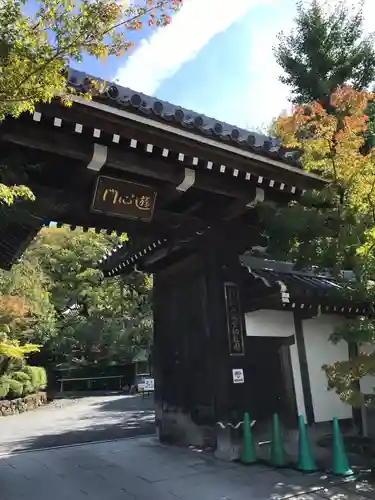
(123, 199)
(234, 320)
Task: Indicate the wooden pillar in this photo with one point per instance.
(199, 328)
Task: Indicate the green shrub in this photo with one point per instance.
(4, 387)
(38, 376)
(33, 375)
(15, 389)
(42, 377)
(20, 377)
(27, 388)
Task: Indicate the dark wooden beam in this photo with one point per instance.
(232, 239)
(81, 148)
(168, 260)
(237, 208)
(236, 235)
(73, 207)
(15, 235)
(167, 196)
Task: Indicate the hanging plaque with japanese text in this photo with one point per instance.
(123, 199)
(234, 320)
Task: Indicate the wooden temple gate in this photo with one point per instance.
(185, 188)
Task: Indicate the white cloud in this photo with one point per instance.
(163, 54)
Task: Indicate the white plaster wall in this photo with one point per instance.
(320, 351)
(265, 323)
(367, 384)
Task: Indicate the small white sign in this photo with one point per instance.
(149, 385)
(238, 376)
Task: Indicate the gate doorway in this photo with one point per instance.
(270, 382)
(185, 189)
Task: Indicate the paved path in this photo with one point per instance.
(76, 421)
(142, 469)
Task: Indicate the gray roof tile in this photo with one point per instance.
(122, 97)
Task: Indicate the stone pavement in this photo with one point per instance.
(81, 420)
(143, 469)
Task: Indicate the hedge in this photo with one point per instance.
(4, 386)
(38, 376)
(30, 380)
(20, 377)
(27, 388)
(42, 377)
(15, 389)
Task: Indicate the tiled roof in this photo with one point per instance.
(121, 97)
(306, 283)
(303, 288)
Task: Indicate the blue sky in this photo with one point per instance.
(212, 59)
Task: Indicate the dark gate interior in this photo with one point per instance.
(183, 370)
(269, 379)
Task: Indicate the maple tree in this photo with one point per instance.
(39, 39)
(26, 311)
(332, 143)
(335, 228)
(12, 311)
(36, 48)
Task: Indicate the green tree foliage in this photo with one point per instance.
(57, 297)
(25, 305)
(370, 132)
(13, 354)
(67, 260)
(13, 349)
(37, 44)
(328, 64)
(97, 320)
(334, 229)
(326, 49)
(39, 39)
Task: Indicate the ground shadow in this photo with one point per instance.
(137, 426)
(84, 394)
(127, 403)
(123, 417)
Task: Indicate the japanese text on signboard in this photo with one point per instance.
(234, 320)
(123, 199)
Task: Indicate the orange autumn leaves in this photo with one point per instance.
(153, 12)
(332, 143)
(13, 311)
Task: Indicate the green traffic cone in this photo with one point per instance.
(306, 462)
(248, 448)
(277, 446)
(340, 465)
